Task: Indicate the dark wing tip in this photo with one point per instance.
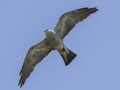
(22, 79)
(25, 72)
(86, 12)
(26, 69)
(86, 8)
(93, 10)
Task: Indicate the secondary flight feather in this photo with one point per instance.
(39, 51)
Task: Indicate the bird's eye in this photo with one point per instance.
(45, 30)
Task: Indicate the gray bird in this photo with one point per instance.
(57, 44)
(54, 41)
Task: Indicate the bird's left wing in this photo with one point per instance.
(68, 20)
(35, 55)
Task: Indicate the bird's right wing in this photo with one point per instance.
(35, 55)
(68, 20)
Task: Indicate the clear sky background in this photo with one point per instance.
(96, 41)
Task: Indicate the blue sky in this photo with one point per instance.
(96, 41)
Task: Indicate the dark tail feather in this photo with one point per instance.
(68, 57)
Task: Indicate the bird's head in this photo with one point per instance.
(46, 30)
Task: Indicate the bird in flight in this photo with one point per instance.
(54, 41)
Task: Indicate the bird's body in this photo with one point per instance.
(54, 41)
(57, 44)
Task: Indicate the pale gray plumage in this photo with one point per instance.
(57, 44)
(39, 51)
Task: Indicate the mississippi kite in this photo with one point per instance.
(39, 51)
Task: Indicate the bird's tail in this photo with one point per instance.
(67, 56)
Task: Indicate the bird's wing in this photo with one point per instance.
(35, 55)
(68, 20)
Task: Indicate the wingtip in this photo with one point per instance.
(89, 10)
(93, 9)
(21, 81)
(96, 9)
(20, 84)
